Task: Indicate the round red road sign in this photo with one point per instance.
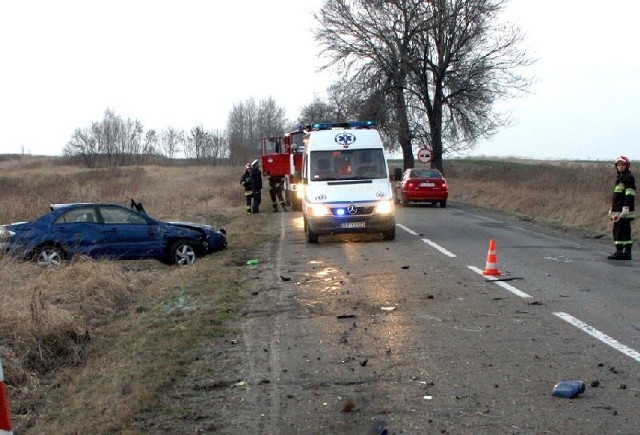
(425, 155)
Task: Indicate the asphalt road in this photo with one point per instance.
(355, 335)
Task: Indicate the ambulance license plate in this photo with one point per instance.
(352, 225)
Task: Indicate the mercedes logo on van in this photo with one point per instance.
(352, 209)
(345, 139)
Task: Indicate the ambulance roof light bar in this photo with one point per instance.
(350, 125)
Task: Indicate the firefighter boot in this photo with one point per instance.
(618, 255)
(626, 253)
(283, 205)
(275, 207)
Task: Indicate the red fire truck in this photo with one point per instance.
(282, 155)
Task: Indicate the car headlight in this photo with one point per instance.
(318, 210)
(5, 234)
(384, 207)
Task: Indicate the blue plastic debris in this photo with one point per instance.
(568, 389)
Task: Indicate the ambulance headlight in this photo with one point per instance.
(318, 210)
(384, 207)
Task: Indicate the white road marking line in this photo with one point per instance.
(429, 242)
(599, 335)
(410, 231)
(504, 285)
(439, 248)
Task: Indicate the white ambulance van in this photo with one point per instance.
(346, 181)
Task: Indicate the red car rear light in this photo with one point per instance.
(410, 185)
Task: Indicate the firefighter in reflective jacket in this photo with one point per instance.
(622, 210)
(276, 185)
(245, 182)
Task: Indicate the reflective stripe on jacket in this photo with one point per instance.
(624, 194)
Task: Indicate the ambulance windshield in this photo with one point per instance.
(357, 164)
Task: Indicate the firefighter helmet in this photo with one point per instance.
(624, 160)
(254, 163)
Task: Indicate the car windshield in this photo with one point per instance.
(358, 164)
(425, 173)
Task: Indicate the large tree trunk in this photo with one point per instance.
(435, 127)
(404, 133)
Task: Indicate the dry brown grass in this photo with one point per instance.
(105, 338)
(563, 194)
(102, 328)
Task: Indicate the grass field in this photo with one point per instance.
(104, 338)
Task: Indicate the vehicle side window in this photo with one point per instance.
(82, 214)
(116, 215)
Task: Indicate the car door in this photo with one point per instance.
(78, 230)
(128, 234)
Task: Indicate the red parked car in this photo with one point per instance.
(422, 185)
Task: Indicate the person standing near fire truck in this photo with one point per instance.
(276, 185)
(245, 181)
(622, 210)
(256, 186)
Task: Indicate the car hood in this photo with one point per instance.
(13, 225)
(195, 226)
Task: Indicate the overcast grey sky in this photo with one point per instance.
(186, 63)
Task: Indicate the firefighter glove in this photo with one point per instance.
(624, 212)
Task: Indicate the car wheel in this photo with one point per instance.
(311, 236)
(181, 253)
(443, 204)
(49, 255)
(389, 234)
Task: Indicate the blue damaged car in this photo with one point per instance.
(108, 231)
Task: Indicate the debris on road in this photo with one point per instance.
(568, 389)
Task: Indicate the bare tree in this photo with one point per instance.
(370, 41)
(466, 60)
(443, 61)
(317, 111)
(248, 122)
(271, 119)
(171, 141)
(195, 143)
(150, 145)
(112, 141)
(217, 147)
(84, 145)
(129, 142)
(238, 126)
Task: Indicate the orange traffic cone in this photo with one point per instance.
(492, 260)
